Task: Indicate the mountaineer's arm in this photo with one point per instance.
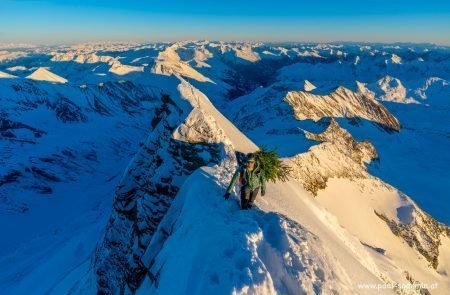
(263, 184)
(235, 178)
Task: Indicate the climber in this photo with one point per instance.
(251, 180)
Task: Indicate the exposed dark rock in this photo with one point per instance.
(10, 177)
(68, 112)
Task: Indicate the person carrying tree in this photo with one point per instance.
(251, 179)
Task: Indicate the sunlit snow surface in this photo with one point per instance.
(72, 117)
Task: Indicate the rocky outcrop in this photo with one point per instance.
(342, 103)
(423, 233)
(338, 156)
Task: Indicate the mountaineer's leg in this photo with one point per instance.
(245, 197)
(253, 195)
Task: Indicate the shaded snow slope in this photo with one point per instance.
(63, 150)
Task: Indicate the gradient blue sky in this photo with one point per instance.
(52, 21)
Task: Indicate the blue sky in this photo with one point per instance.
(52, 21)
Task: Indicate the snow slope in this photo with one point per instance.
(236, 251)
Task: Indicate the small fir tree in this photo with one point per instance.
(272, 167)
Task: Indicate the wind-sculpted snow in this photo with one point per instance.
(342, 103)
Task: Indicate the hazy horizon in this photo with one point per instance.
(70, 21)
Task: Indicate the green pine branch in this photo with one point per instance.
(271, 166)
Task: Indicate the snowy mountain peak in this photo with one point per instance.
(396, 59)
(169, 62)
(43, 74)
(392, 89)
(308, 86)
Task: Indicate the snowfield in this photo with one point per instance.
(116, 157)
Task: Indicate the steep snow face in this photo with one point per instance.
(303, 249)
(198, 55)
(64, 148)
(342, 103)
(42, 74)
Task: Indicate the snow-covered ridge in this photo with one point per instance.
(342, 103)
(187, 133)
